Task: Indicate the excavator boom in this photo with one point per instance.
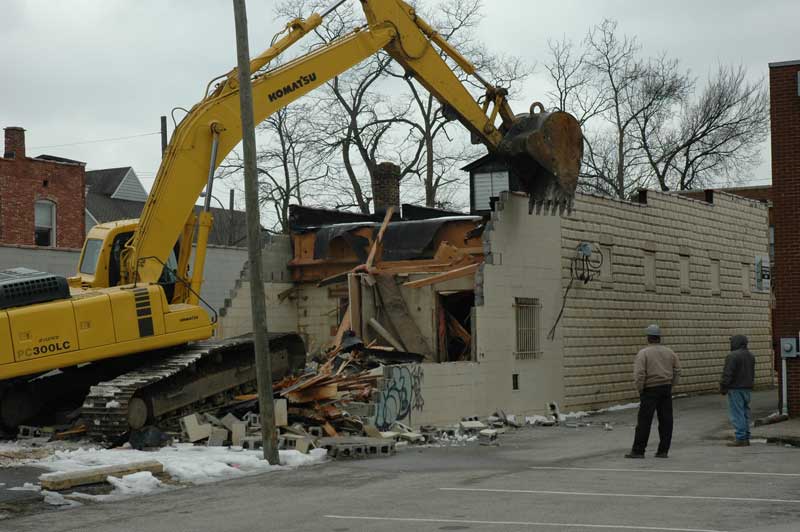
(544, 149)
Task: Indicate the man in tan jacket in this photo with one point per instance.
(656, 370)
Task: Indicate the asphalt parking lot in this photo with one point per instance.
(562, 479)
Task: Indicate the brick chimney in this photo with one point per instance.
(15, 143)
(386, 187)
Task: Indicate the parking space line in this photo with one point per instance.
(516, 523)
(675, 471)
(630, 495)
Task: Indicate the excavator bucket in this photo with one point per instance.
(544, 151)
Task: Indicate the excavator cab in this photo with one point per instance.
(100, 264)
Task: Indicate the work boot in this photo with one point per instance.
(634, 455)
(738, 443)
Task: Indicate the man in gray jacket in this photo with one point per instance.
(737, 381)
(656, 370)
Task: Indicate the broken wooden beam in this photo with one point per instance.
(374, 250)
(316, 393)
(380, 329)
(441, 277)
(94, 475)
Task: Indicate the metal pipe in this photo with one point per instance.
(785, 388)
(212, 166)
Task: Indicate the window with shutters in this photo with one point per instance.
(489, 185)
(528, 315)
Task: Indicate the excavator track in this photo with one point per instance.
(198, 377)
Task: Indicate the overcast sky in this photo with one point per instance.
(83, 70)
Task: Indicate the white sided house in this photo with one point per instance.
(557, 306)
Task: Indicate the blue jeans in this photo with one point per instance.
(739, 412)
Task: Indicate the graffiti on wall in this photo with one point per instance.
(400, 394)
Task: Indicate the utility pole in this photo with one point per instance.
(257, 302)
(230, 218)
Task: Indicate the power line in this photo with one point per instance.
(95, 141)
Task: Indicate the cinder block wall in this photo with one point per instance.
(235, 314)
(523, 260)
(784, 88)
(604, 320)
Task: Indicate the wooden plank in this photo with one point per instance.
(380, 329)
(65, 480)
(354, 308)
(404, 325)
(446, 276)
(373, 251)
(246, 397)
(317, 393)
(423, 267)
(303, 384)
(329, 430)
(458, 329)
(81, 429)
(345, 325)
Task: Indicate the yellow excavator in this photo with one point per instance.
(130, 324)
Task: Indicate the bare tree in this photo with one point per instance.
(376, 112)
(440, 151)
(358, 116)
(290, 165)
(714, 137)
(641, 124)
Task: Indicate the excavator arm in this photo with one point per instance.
(543, 148)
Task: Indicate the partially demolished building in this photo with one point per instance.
(514, 311)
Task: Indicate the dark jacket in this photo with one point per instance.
(740, 366)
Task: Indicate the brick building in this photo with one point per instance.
(784, 81)
(41, 198)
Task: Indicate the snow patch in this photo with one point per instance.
(538, 420)
(26, 487)
(184, 462)
(56, 499)
(617, 408)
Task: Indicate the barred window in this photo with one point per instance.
(528, 311)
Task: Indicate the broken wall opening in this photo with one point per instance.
(455, 325)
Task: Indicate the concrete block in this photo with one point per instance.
(360, 409)
(412, 437)
(471, 426)
(194, 429)
(253, 420)
(297, 443)
(252, 443)
(238, 432)
(218, 437)
(281, 413)
(215, 421)
(229, 421)
(316, 431)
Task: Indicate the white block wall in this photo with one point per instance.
(604, 320)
